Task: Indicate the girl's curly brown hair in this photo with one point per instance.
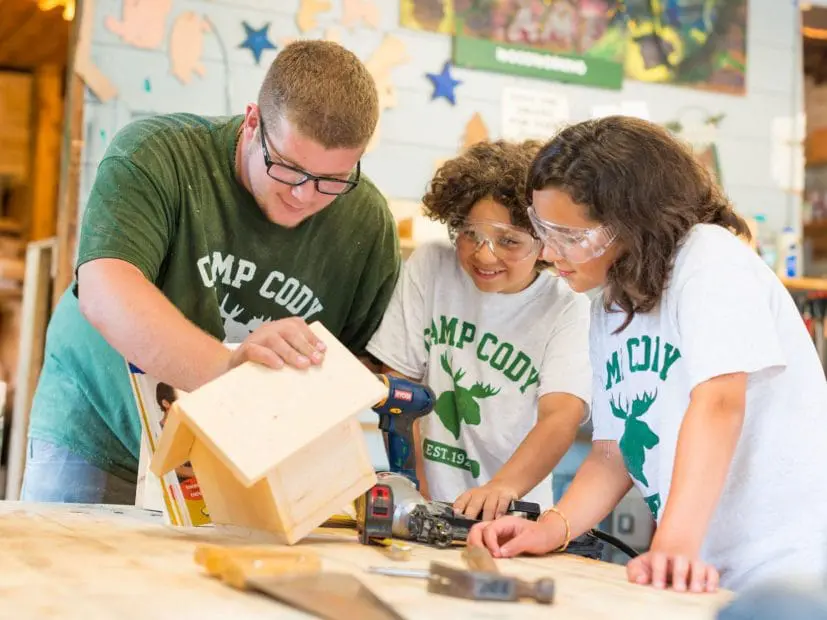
(488, 169)
(650, 189)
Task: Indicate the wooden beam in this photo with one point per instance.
(48, 88)
(35, 316)
(16, 119)
(68, 198)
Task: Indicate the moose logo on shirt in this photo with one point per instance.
(235, 330)
(460, 404)
(453, 408)
(637, 436)
(655, 358)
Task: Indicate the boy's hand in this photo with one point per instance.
(491, 499)
(683, 572)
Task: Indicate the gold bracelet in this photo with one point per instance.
(565, 545)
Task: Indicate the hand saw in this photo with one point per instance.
(294, 577)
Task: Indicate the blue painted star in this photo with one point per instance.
(444, 84)
(257, 40)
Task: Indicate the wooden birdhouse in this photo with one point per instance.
(276, 450)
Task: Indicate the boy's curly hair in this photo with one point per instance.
(489, 169)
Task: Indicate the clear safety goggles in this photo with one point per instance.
(507, 243)
(576, 245)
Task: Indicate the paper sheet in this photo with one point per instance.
(143, 22)
(532, 114)
(356, 11)
(186, 44)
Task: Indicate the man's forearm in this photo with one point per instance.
(600, 483)
(538, 454)
(143, 325)
(706, 445)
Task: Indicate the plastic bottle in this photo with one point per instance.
(765, 243)
(789, 262)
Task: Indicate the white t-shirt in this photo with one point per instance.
(724, 311)
(488, 357)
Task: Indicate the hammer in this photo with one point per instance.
(484, 582)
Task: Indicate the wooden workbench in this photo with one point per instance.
(93, 562)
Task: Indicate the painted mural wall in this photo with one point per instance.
(147, 57)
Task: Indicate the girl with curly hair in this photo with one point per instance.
(708, 394)
(502, 342)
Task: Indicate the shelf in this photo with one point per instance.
(805, 285)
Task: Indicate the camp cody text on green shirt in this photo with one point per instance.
(166, 200)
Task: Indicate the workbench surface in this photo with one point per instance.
(95, 562)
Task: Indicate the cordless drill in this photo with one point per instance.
(406, 402)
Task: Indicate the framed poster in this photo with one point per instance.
(697, 43)
(576, 41)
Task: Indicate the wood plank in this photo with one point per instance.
(12, 269)
(10, 225)
(70, 169)
(15, 125)
(96, 563)
(37, 289)
(30, 37)
(808, 285)
(48, 88)
(15, 15)
(83, 62)
(30, 28)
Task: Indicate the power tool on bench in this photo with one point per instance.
(405, 403)
(394, 508)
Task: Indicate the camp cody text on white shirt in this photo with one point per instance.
(723, 311)
(488, 358)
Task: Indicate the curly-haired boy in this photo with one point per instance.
(503, 343)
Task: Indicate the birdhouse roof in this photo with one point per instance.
(254, 417)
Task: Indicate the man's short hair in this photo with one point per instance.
(324, 91)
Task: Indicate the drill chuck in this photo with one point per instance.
(405, 397)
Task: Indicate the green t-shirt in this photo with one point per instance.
(166, 199)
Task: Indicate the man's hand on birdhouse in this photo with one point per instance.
(275, 344)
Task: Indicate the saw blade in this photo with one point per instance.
(331, 596)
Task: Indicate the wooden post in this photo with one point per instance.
(35, 315)
(48, 95)
(67, 206)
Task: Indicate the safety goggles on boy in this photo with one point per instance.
(576, 245)
(508, 243)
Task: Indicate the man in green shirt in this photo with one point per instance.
(204, 231)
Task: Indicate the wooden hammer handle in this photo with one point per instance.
(479, 559)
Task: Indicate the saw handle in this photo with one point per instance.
(236, 565)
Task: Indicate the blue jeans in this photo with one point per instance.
(776, 602)
(56, 474)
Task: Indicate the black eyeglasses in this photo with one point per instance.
(290, 175)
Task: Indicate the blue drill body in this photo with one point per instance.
(406, 402)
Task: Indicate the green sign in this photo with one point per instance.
(532, 62)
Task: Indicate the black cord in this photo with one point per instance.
(614, 542)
